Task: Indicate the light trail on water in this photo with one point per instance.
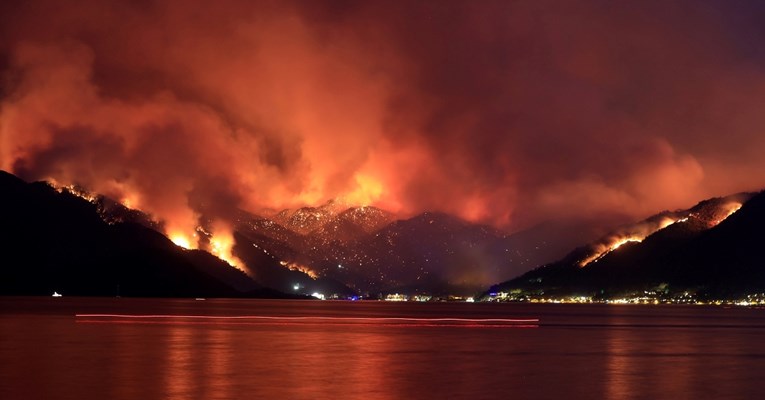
(303, 320)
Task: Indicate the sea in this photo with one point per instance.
(125, 348)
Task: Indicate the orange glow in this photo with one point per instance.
(180, 240)
(474, 209)
(292, 266)
(131, 201)
(367, 191)
(351, 109)
(624, 241)
(73, 190)
(726, 211)
(603, 249)
(222, 243)
(179, 226)
(637, 235)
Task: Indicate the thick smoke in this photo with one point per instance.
(503, 112)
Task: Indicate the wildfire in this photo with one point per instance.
(222, 244)
(130, 201)
(73, 190)
(299, 267)
(221, 247)
(602, 250)
(636, 236)
(624, 241)
(367, 191)
(180, 240)
(726, 211)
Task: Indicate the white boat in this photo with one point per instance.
(57, 294)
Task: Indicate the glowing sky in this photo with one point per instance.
(505, 112)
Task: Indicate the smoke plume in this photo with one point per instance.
(502, 112)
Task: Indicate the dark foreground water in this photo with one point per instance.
(173, 349)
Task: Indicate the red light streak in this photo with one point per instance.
(306, 320)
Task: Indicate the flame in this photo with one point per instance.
(180, 227)
(726, 211)
(131, 201)
(73, 190)
(638, 235)
(292, 266)
(602, 250)
(624, 241)
(180, 240)
(222, 244)
(367, 191)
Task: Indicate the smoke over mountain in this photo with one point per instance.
(501, 112)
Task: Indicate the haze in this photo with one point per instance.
(509, 113)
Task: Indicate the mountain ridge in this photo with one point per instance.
(337, 249)
(57, 241)
(710, 250)
(365, 250)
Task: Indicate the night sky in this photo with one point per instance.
(502, 112)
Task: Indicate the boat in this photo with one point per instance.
(57, 294)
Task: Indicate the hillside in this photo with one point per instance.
(56, 241)
(371, 252)
(711, 250)
(89, 244)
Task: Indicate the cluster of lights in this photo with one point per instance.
(424, 298)
(647, 297)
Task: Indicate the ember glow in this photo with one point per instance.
(726, 211)
(292, 266)
(601, 250)
(635, 234)
(222, 243)
(131, 201)
(507, 113)
(181, 240)
(368, 191)
(74, 190)
(623, 241)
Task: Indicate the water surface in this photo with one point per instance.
(577, 351)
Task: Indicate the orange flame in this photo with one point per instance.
(222, 244)
(638, 235)
(182, 235)
(292, 266)
(367, 191)
(726, 211)
(131, 201)
(73, 190)
(601, 250)
(624, 241)
(180, 240)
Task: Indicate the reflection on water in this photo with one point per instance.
(684, 356)
(620, 369)
(578, 351)
(219, 355)
(181, 378)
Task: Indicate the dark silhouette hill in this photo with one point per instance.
(53, 240)
(58, 237)
(714, 249)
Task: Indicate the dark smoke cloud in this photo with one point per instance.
(505, 112)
